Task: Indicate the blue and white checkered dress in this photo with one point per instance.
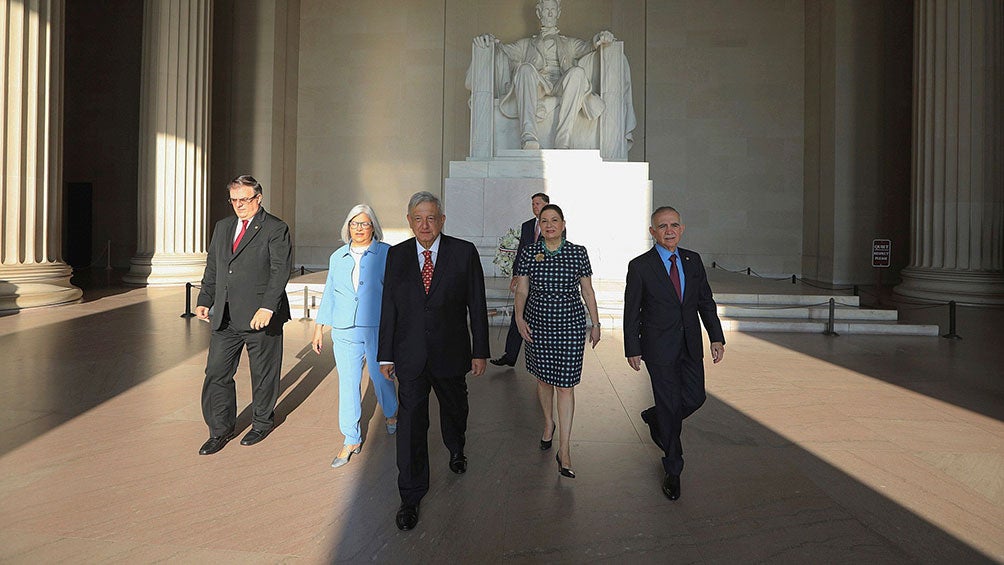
(554, 311)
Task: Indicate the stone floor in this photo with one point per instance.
(810, 449)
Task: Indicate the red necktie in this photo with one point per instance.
(674, 275)
(244, 228)
(427, 270)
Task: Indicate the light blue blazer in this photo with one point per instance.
(342, 306)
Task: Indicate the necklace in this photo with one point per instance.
(550, 253)
(361, 251)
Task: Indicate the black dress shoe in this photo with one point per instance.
(504, 362)
(254, 436)
(562, 470)
(407, 517)
(648, 416)
(671, 486)
(458, 463)
(214, 444)
(546, 444)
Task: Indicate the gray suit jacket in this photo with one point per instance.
(253, 277)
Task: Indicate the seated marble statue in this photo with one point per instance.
(552, 65)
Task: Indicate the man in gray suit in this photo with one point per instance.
(243, 297)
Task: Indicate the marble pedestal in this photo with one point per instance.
(607, 204)
(31, 285)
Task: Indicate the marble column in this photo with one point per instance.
(174, 142)
(958, 184)
(31, 113)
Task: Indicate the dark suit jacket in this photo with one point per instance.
(253, 277)
(656, 325)
(419, 330)
(525, 235)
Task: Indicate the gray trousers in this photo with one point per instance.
(219, 392)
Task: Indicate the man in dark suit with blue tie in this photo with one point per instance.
(529, 232)
(667, 289)
(245, 286)
(433, 284)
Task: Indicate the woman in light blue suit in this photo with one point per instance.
(351, 306)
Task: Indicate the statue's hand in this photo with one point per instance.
(603, 38)
(486, 40)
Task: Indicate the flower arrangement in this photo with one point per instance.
(506, 254)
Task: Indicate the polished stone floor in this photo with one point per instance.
(810, 449)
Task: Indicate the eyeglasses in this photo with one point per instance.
(362, 225)
(247, 200)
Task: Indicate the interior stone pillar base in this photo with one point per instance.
(27, 286)
(166, 269)
(944, 285)
(486, 197)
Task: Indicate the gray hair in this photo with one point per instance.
(424, 196)
(355, 211)
(245, 180)
(662, 209)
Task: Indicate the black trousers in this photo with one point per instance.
(679, 391)
(413, 427)
(219, 392)
(513, 340)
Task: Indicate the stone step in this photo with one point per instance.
(840, 327)
(742, 312)
(784, 299)
(816, 312)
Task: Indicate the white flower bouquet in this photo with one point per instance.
(506, 254)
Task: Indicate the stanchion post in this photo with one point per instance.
(829, 321)
(794, 280)
(108, 255)
(856, 290)
(306, 304)
(188, 301)
(951, 322)
(303, 270)
(748, 271)
(714, 264)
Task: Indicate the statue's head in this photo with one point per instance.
(548, 12)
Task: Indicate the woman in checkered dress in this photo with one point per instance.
(553, 279)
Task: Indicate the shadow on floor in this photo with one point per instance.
(750, 495)
(57, 371)
(98, 283)
(966, 372)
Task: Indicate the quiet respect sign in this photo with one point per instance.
(881, 252)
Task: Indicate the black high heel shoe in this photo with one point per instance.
(563, 471)
(545, 445)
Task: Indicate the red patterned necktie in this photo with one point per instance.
(244, 228)
(674, 275)
(427, 270)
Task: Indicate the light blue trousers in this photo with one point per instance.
(352, 347)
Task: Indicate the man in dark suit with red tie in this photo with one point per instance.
(433, 284)
(667, 289)
(529, 232)
(243, 297)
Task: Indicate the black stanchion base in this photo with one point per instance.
(952, 336)
(187, 315)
